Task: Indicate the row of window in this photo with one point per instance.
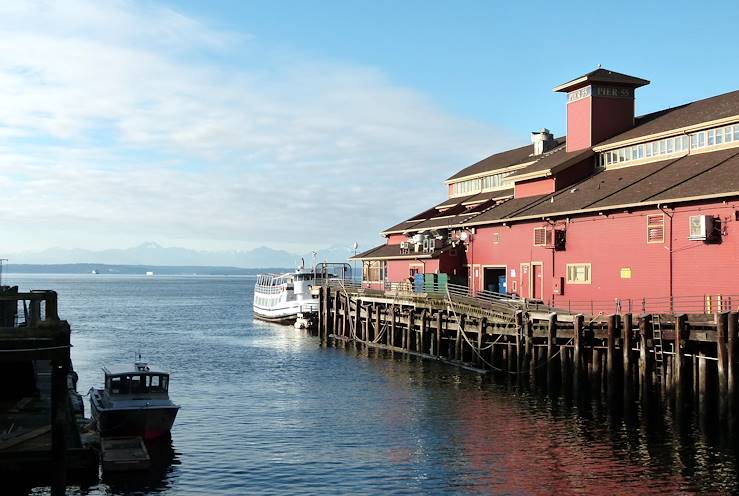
(670, 146)
(490, 182)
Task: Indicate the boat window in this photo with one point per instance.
(138, 384)
(114, 385)
(157, 384)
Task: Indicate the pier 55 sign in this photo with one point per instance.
(607, 91)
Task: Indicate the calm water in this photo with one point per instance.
(266, 410)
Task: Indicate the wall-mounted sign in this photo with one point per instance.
(579, 94)
(613, 91)
(625, 272)
(513, 272)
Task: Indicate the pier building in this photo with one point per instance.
(622, 212)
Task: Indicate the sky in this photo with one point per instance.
(227, 125)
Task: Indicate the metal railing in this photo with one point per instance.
(498, 302)
(700, 304)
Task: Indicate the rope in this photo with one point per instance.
(48, 348)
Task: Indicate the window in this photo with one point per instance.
(372, 270)
(656, 228)
(578, 273)
(542, 236)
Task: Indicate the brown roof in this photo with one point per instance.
(709, 109)
(393, 252)
(501, 160)
(601, 75)
(555, 161)
(505, 210)
(702, 174)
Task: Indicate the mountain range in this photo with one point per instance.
(153, 254)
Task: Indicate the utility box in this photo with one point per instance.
(418, 283)
(429, 280)
(558, 286)
(442, 281)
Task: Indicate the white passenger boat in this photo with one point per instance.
(283, 297)
(134, 402)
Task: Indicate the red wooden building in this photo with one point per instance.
(622, 209)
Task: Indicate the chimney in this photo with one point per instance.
(543, 141)
(600, 105)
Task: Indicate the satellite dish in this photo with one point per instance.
(355, 245)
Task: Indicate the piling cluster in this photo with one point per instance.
(647, 357)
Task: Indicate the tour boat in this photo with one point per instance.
(283, 298)
(134, 402)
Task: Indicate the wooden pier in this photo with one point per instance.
(685, 357)
(40, 409)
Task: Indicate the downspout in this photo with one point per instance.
(669, 249)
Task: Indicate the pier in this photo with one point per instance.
(41, 413)
(685, 357)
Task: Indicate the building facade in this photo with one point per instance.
(622, 210)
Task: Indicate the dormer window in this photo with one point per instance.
(673, 146)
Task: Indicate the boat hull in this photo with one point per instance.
(285, 314)
(148, 422)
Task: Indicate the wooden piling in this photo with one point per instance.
(721, 352)
(680, 375)
(59, 420)
(731, 339)
(627, 345)
(611, 355)
(391, 334)
(480, 338)
(577, 357)
(439, 331)
(458, 342)
(645, 358)
(551, 346)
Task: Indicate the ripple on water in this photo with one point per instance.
(266, 410)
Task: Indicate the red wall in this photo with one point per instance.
(611, 116)
(578, 124)
(534, 187)
(595, 119)
(395, 239)
(613, 242)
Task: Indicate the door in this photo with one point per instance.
(537, 290)
(494, 279)
(523, 281)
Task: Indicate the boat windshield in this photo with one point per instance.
(137, 383)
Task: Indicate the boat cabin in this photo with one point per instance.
(142, 380)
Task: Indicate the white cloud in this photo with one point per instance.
(116, 127)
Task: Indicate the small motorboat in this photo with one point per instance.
(134, 402)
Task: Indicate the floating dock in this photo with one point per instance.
(43, 439)
(121, 454)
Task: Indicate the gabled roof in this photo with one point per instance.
(502, 160)
(392, 252)
(714, 174)
(553, 162)
(672, 121)
(602, 75)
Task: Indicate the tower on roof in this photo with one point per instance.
(600, 105)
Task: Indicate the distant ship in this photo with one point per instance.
(149, 272)
(93, 272)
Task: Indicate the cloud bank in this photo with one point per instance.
(123, 122)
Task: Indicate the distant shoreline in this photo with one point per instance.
(109, 269)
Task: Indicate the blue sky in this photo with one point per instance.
(227, 125)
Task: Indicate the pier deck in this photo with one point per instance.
(40, 409)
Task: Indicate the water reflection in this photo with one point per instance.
(267, 410)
